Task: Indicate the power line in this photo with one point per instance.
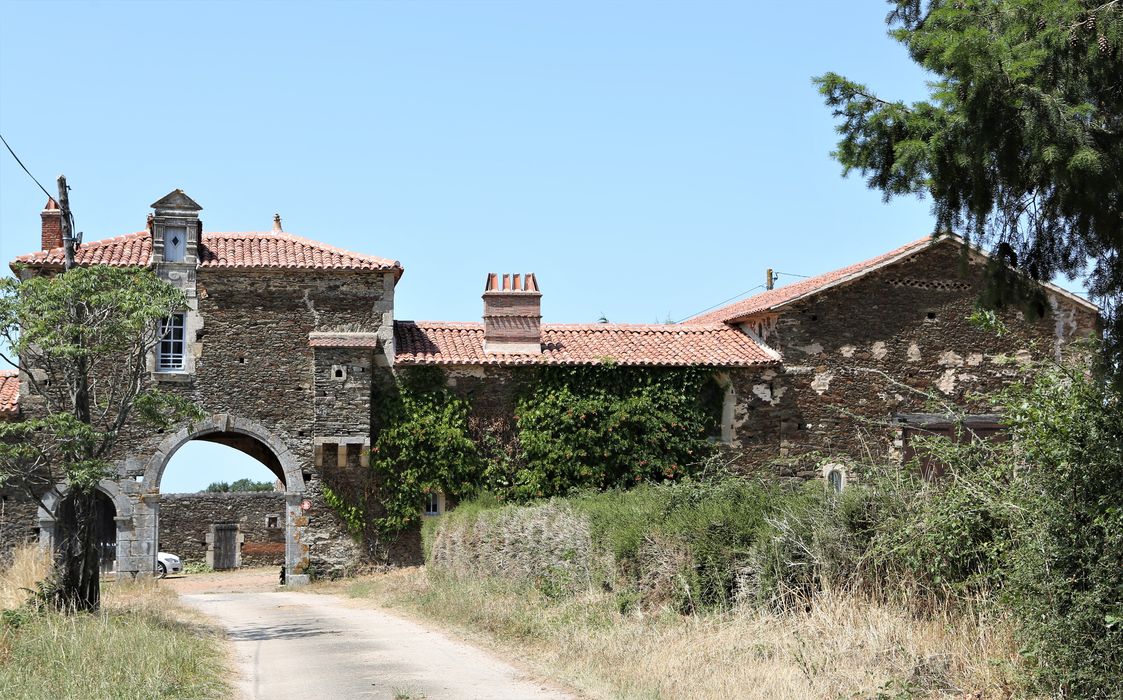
(735, 296)
(792, 274)
(24, 166)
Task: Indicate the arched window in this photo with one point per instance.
(835, 476)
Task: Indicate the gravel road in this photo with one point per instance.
(302, 645)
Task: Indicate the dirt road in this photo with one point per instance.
(302, 645)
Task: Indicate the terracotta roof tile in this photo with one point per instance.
(450, 343)
(778, 297)
(222, 250)
(9, 394)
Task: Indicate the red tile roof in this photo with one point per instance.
(223, 250)
(450, 343)
(773, 298)
(9, 394)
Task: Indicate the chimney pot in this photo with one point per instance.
(52, 225)
(277, 223)
(512, 314)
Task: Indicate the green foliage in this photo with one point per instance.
(598, 427)
(423, 447)
(1019, 143)
(607, 426)
(91, 327)
(352, 515)
(238, 486)
(694, 544)
(1065, 573)
(81, 341)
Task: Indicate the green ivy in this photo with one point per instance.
(607, 426)
(353, 516)
(591, 427)
(423, 447)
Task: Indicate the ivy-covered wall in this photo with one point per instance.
(521, 433)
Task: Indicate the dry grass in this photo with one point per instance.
(142, 644)
(842, 647)
(27, 567)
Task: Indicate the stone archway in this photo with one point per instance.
(122, 516)
(255, 440)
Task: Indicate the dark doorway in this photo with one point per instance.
(105, 532)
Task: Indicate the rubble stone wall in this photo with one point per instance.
(896, 341)
(186, 520)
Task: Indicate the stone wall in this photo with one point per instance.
(186, 519)
(252, 364)
(897, 341)
(18, 523)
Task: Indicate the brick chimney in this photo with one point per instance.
(52, 225)
(512, 314)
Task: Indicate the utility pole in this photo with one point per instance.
(81, 386)
(67, 232)
(770, 280)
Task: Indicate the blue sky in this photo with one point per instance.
(646, 159)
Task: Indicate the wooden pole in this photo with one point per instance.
(67, 234)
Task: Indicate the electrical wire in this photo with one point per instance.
(792, 274)
(720, 303)
(24, 167)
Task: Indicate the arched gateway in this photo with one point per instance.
(244, 435)
(136, 503)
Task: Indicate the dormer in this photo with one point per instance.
(175, 229)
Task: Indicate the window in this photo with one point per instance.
(172, 350)
(834, 480)
(272, 522)
(434, 503)
(963, 429)
(175, 244)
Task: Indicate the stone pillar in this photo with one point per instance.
(140, 551)
(296, 550)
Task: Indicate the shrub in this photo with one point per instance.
(1066, 566)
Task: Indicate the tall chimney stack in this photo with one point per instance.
(512, 314)
(52, 225)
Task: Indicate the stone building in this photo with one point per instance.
(285, 341)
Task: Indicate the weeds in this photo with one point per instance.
(141, 644)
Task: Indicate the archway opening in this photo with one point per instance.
(222, 503)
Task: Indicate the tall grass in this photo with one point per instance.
(27, 567)
(141, 644)
(840, 645)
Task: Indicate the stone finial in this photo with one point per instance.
(277, 223)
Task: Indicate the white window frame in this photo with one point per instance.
(175, 252)
(171, 350)
(433, 499)
(843, 477)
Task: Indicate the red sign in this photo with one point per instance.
(306, 505)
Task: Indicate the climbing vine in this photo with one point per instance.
(607, 426)
(423, 446)
(351, 515)
(602, 426)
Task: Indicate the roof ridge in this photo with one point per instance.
(300, 239)
(725, 314)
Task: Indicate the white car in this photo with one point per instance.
(167, 564)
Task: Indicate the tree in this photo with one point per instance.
(1020, 144)
(239, 486)
(81, 342)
